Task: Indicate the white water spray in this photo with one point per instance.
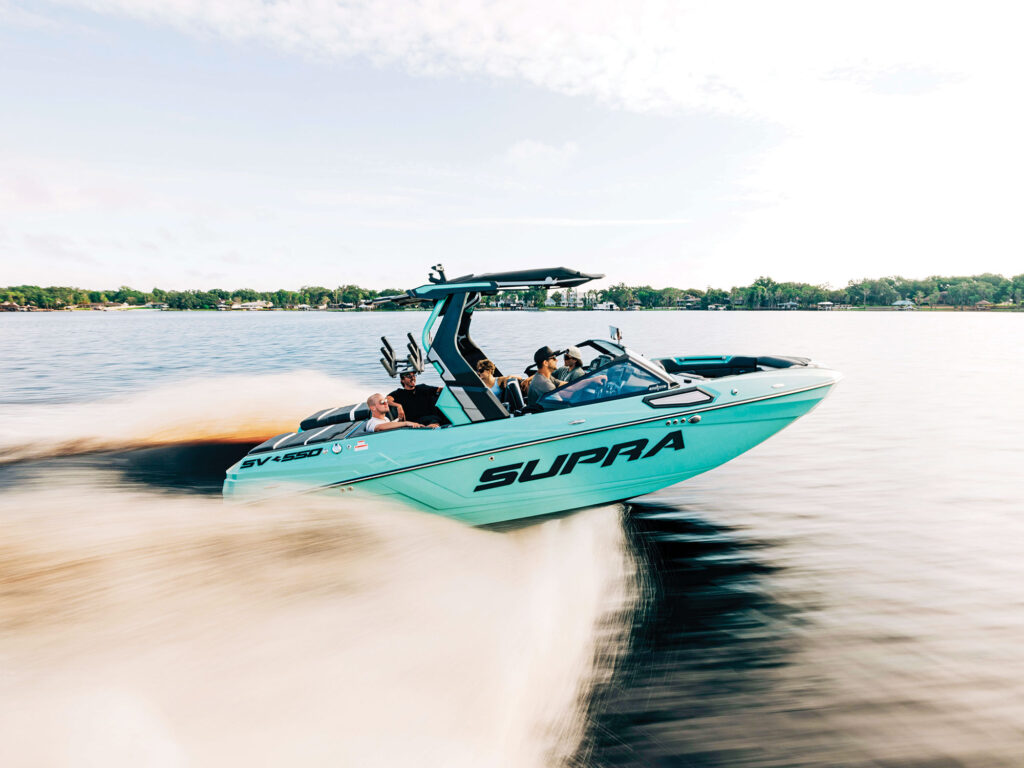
(142, 628)
(224, 409)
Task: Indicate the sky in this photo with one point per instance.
(246, 143)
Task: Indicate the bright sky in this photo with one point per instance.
(231, 143)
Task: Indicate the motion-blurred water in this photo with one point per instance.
(846, 594)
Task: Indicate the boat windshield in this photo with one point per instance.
(620, 378)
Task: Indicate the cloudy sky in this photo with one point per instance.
(230, 143)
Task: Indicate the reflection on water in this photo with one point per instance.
(745, 658)
(696, 653)
(187, 467)
(193, 468)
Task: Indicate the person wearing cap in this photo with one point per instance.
(543, 381)
(416, 402)
(573, 368)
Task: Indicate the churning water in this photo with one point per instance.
(846, 594)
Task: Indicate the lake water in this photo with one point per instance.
(849, 593)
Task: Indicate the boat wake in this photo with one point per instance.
(140, 627)
(228, 409)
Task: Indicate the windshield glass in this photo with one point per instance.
(621, 378)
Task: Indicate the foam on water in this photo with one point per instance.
(145, 628)
(226, 409)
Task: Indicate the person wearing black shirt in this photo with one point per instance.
(417, 401)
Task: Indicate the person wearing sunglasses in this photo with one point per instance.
(379, 420)
(416, 402)
(543, 381)
(573, 365)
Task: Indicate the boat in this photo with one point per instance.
(630, 426)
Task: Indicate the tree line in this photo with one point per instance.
(57, 297)
(763, 293)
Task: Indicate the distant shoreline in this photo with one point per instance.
(983, 292)
(841, 308)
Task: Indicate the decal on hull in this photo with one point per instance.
(565, 463)
(292, 456)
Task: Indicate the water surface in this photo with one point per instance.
(845, 594)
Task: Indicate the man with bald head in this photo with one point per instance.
(379, 421)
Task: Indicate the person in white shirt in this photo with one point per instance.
(379, 421)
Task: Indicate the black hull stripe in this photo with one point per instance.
(595, 430)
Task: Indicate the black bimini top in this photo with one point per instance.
(550, 277)
(489, 283)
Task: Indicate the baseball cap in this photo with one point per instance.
(544, 353)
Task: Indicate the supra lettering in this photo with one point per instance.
(566, 463)
(495, 477)
(674, 439)
(591, 456)
(633, 449)
(529, 475)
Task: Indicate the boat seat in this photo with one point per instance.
(514, 395)
(339, 415)
(359, 430)
(330, 432)
(275, 442)
(346, 414)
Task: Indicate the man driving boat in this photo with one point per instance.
(573, 365)
(543, 381)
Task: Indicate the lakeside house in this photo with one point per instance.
(607, 306)
(689, 301)
(240, 306)
(903, 304)
(790, 305)
(825, 306)
(511, 302)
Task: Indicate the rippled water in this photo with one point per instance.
(846, 594)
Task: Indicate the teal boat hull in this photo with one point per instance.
(543, 463)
